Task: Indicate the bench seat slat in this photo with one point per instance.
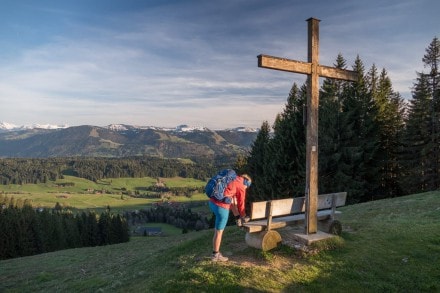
(260, 225)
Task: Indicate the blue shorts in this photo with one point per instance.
(221, 216)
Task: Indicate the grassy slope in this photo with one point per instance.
(391, 245)
(78, 196)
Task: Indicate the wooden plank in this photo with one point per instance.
(325, 200)
(280, 207)
(283, 64)
(312, 128)
(258, 210)
(269, 209)
(337, 73)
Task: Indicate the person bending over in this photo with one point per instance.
(236, 190)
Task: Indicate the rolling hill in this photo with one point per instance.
(124, 141)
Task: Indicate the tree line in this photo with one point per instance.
(177, 215)
(165, 192)
(24, 171)
(26, 231)
(372, 143)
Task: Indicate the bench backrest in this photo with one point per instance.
(291, 206)
(325, 201)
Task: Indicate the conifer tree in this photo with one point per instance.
(287, 148)
(359, 139)
(119, 230)
(71, 230)
(416, 151)
(330, 129)
(104, 228)
(420, 153)
(389, 118)
(431, 60)
(256, 166)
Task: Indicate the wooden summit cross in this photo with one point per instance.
(313, 71)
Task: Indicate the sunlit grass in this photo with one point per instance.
(81, 193)
(390, 245)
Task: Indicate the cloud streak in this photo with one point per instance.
(190, 62)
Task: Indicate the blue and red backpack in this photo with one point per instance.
(215, 188)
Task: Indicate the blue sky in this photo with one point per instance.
(165, 63)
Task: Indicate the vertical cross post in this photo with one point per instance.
(312, 128)
(313, 70)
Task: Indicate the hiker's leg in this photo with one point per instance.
(221, 219)
(217, 240)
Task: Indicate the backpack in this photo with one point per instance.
(216, 186)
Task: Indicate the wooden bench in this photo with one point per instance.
(267, 216)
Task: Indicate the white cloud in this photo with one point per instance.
(196, 61)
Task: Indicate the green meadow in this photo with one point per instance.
(391, 245)
(84, 194)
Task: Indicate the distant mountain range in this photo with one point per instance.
(4, 126)
(120, 140)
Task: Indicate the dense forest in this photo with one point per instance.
(372, 143)
(23, 171)
(26, 231)
(177, 215)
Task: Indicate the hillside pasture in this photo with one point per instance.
(79, 193)
(388, 245)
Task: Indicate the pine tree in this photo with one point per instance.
(104, 228)
(422, 134)
(416, 151)
(330, 129)
(389, 117)
(256, 165)
(431, 59)
(287, 148)
(359, 140)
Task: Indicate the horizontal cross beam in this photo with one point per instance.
(283, 64)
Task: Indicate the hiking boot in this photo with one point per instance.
(218, 257)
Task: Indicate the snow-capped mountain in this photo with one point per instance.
(179, 128)
(244, 129)
(5, 126)
(118, 140)
(186, 128)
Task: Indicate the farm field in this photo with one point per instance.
(78, 193)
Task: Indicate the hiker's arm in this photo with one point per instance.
(240, 199)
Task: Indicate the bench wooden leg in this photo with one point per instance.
(265, 240)
(330, 226)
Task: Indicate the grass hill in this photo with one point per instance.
(391, 245)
